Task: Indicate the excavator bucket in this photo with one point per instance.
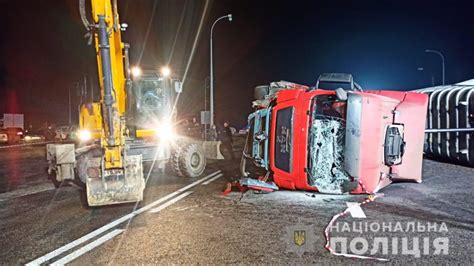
(116, 185)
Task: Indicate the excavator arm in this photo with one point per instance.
(120, 176)
(109, 49)
(111, 175)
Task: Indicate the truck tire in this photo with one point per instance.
(192, 161)
(261, 91)
(174, 161)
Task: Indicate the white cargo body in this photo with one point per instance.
(13, 120)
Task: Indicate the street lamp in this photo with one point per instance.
(432, 77)
(442, 60)
(69, 101)
(211, 80)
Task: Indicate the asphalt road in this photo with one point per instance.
(21, 165)
(195, 223)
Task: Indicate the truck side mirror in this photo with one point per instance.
(178, 86)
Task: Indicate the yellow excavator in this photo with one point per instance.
(132, 122)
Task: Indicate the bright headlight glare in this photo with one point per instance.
(84, 135)
(136, 72)
(165, 71)
(165, 132)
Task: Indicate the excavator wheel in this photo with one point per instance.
(174, 161)
(192, 161)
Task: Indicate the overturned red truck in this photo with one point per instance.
(335, 137)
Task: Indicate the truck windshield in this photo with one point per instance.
(326, 145)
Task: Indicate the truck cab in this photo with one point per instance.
(336, 140)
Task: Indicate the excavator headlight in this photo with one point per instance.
(165, 71)
(84, 135)
(165, 132)
(136, 72)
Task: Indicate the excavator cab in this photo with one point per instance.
(150, 104)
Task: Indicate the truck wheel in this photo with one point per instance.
(192, 161)
(260, 92)
(52, 177)
(174, 161)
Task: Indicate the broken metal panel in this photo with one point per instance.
(116, 185)
(277, 87)
(326, 156)
(260, 124)
(257, 184)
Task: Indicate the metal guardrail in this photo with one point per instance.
(450, 123)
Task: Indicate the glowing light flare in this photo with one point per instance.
(84, 135)
(166, 132)
(165, 71)
(136, 72)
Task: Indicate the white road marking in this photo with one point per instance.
(110, 225)
(171, 202)
(25, 144)
(76, 254)
(212, 179)
(355, 210)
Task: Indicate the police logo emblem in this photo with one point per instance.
(299, 237)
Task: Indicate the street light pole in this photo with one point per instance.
(69, 105)
(206, 87)
(442, 61)
(211, 79)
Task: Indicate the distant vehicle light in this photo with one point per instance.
(19, 133)
(84, 135)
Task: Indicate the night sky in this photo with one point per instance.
(382, 43)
